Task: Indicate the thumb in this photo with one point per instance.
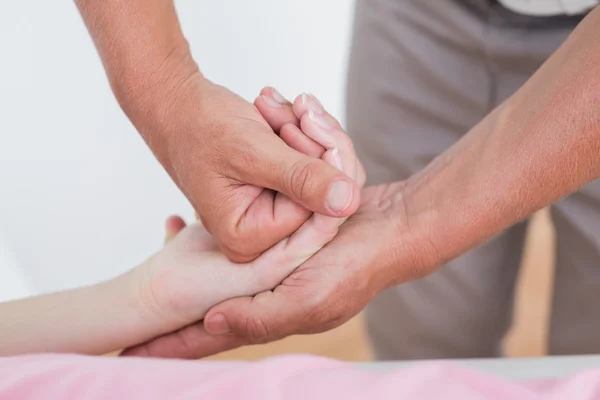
(263, 318)
(308, 181)
(173, 225)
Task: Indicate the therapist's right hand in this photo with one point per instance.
(248, 187)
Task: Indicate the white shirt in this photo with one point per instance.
(549, 7)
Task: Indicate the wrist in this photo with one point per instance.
(142, 297)
(143, 91)
(403, 250)
(413, 254)
(160, 101)
(120, 315)
(141, 46)
(118, 301)
(448, 206)
(152, 301)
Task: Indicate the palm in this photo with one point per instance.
(187, 263)
(339, 267)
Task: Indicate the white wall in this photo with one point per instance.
(81, 197)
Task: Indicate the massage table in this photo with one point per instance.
(296, 377)
(512, 368)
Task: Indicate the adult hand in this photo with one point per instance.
(188, 277)
(378, 246)
(249, 188)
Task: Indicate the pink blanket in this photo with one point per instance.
(286, 377)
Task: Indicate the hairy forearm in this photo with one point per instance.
(540, 145)
(140, 43)
(90, 320)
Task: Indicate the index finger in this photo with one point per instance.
(275, 109)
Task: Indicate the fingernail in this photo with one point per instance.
(337, 159)
(277, 96)
(270, 102)
(217, 325)
(315, 105)
(319, 120)
(340, 197)
(322, 134)
(312, 96)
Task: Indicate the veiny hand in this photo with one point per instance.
(249, 188)
(376, 248)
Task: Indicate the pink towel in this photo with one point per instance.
(285, 377)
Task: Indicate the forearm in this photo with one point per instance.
(540, 145)
(141, 46)
(92, 320)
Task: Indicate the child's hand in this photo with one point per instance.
(176, 287)
(189, 276)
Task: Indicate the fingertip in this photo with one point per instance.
(228, 317)
(268, 316)
(267, 106)
(265, 91)
(217, 324)
(343, 198)
(305, 102)
(299, 106)
(275, 109)
(318, 129)
(173, 225)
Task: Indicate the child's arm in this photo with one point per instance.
(93, 320)
(171, 290)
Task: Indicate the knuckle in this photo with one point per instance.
(242, 154)
(257, 330)
(226, 151)
(239, 255)
(230, 237)
(239, 247)
(325, 228)
(302, 179)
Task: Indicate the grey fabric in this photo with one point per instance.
(421, 74)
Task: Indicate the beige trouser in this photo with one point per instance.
(422, 73)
